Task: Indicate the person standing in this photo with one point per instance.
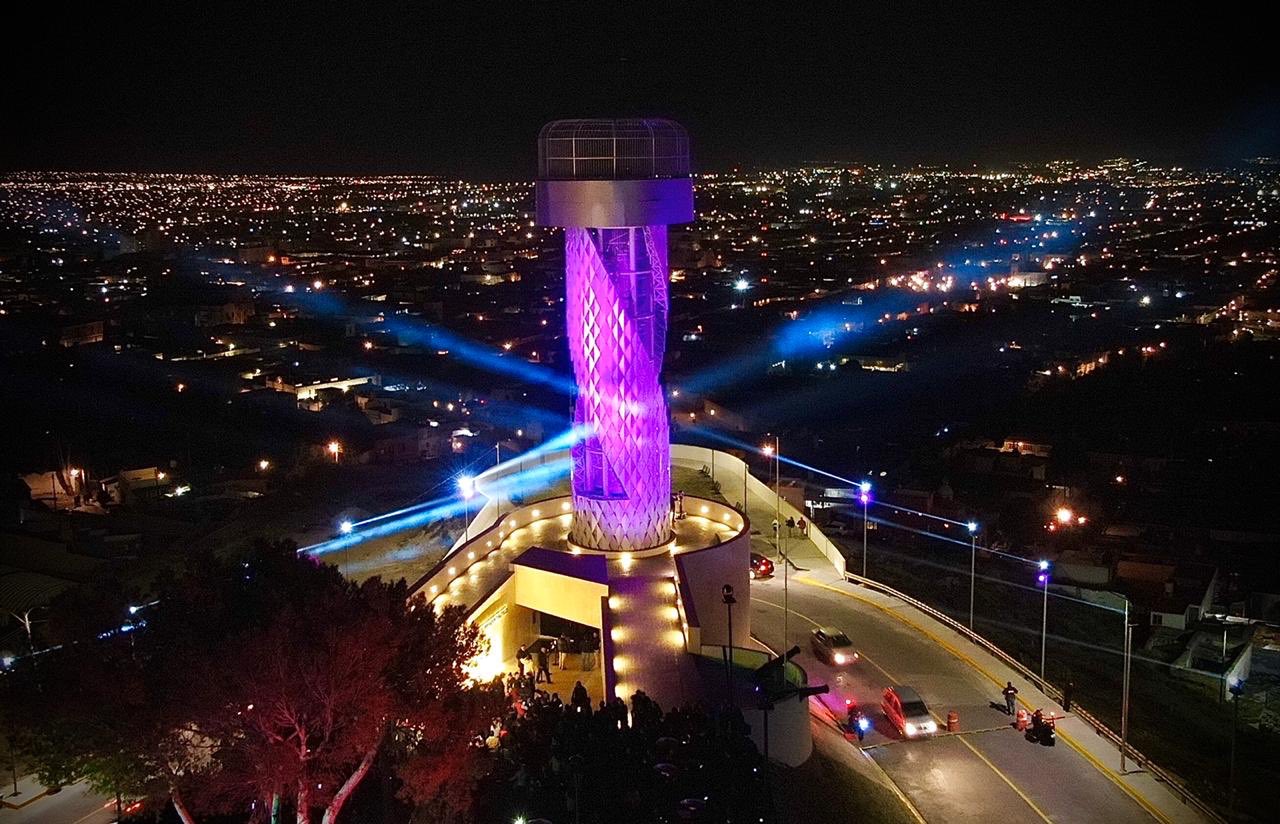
(522, 655)
(579, 698)
(1010, 692)
(562, 645)
(544, 664)
(1067, 692)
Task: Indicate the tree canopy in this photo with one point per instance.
(253, 685)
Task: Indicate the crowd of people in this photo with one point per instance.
(572, 762)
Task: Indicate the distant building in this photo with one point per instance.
(306, 389)
(402, 443)
(1175, 595)
(80, 334)
(230, 313)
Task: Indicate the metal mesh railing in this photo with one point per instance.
(613, 150)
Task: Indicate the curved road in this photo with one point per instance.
(987, 772)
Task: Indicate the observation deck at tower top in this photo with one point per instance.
(613, 173)
(600, 149)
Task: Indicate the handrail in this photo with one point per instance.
(1169, 779)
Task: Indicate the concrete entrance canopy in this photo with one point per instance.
(525, 561)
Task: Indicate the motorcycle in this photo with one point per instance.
(855, 722)
(1043, 729)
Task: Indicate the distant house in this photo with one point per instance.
(400, 442)
(1175, 595)
(81, 334)
(232, 312)
(1026, 445)
(130, 486)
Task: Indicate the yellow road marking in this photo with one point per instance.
(1102, 768)
(1004, 778)
(941, 724)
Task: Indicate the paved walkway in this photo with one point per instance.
(648, 645)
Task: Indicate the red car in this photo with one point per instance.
(906, 711)
(761, 567)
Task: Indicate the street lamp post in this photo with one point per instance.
(467, 485)
(497, 452)
(776, 451)
(1124, 700)
(1237, 689)
(726, 593)
(1044, 615)
(973, 566)
(864, 495)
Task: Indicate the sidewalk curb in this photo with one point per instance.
(9, 805)
(1075, 745)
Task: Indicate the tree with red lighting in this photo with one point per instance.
(263, 684)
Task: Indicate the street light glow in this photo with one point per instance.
(972, 526)
(1065, 515)
(864, 487)
(347, 527)
(467, 485)
(767, 449)
(1044, 565)
(741, 285)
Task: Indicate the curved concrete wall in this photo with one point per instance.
(730, 472)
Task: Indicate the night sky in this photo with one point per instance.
(317, 87)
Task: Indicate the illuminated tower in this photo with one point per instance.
(615, 185)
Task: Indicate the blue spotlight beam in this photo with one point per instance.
(564, 440)
(874, 501)
(480, 355)
(440, 508)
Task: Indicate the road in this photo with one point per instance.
(987, 772)
(76, 804)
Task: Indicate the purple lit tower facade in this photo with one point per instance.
(615, 186)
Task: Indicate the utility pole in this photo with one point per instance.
(1124, 700)
(1236, 689)
(726, 593)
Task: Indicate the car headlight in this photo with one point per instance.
(840, 659)
(910, 729)
(929, 726)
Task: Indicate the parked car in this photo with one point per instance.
(761, 567)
